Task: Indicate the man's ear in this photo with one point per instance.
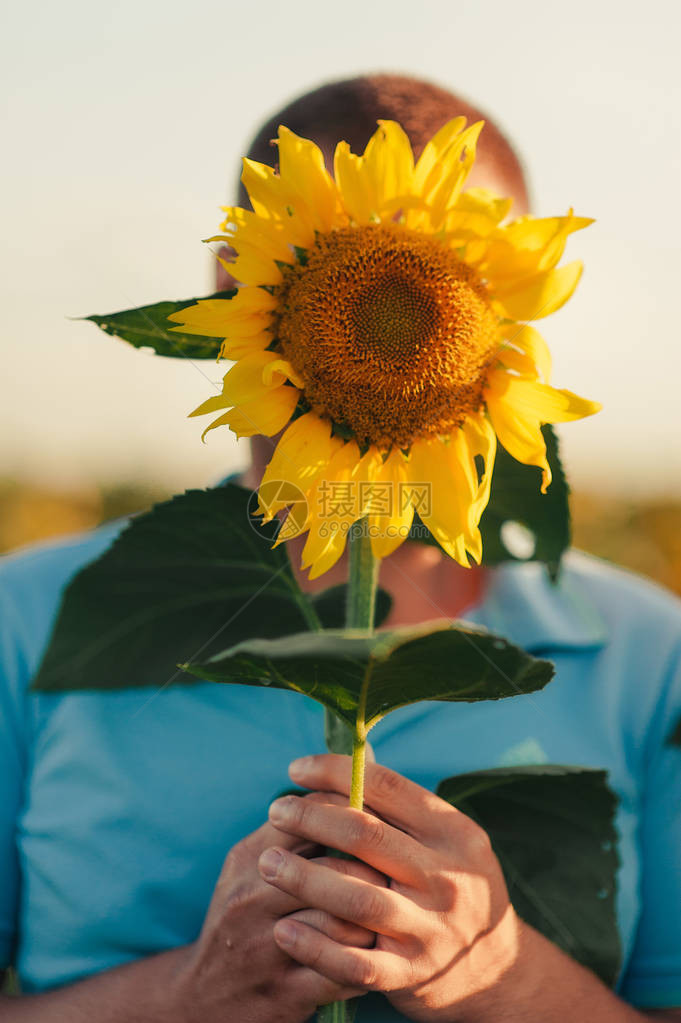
(223, 277)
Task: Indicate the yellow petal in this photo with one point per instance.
(303, 451)
(447, 179)
(533, 345)
(213, 325)
(272, 199)
(466, 221)
(252, 269)
(482, 442)
(266, 415)
(435, 470)
(391, 511)
(518, 407)
(522, 438)
(335, 496)
(319, 555)
(218, 401)
(258, 249)
(519, 362)
(247, 302)
(253, 390)
(540, 295)
(296, 520)
(245, 380)
(221, 318)
(545, 403)
(301, 166)
(482, 200)
(236, 347)
(279, 370)
(475, 216)
(434, 150)
(353, 185)
(335, 503)
(543, 237)
(388, 164)
(269, 196)
(245, 230)
(251, 300)
(223, 420)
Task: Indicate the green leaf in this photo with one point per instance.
(516, 498)
(148, 327)
(552, 829)
(179, 582)
(382, 671)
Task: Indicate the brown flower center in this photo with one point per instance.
(391, 333)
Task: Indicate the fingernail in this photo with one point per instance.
(279, 809)
(300, 767)
(285, 932)
(269, 862)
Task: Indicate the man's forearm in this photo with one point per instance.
(547, 986)
(145, 991)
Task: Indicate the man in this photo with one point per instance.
(117, 809)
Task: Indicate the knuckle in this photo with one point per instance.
(363, 872)
(239, 901)
(238, 857)
(264, 988)
(313, 954)
(372, 830)
(366, 830)
(326, 797)
(315, 797)
(477, 842)
(312, 917)
(362, 973)
(291, 875)
(353, 934)
(332, 862)
(442, 884)
(366, 905)
(387, 783)
(417, 969)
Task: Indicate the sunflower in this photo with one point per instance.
(382, 320)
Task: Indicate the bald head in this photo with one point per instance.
(349, 109)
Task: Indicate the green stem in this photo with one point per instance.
(359, 614)
(337, 1012)
(340, 738)
(362, 580)
(359, 749)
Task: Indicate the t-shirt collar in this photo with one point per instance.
(523, 605)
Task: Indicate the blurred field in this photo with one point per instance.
(642, 535)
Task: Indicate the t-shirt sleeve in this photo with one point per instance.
(653, 974)
(13, 682)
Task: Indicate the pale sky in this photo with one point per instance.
(122, 133)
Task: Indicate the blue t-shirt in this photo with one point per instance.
(118, 808)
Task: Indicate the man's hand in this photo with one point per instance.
(446, 931)
(235, 970)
